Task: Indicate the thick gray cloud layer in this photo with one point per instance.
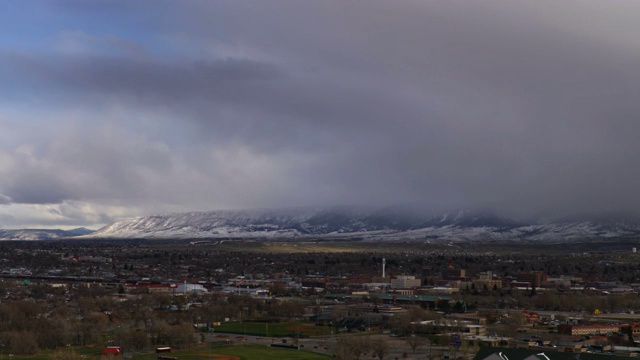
(527, 107)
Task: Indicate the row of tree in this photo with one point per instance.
(58, 317)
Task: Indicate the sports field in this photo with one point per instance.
(248, 352)
(244, 352)
(291, 329)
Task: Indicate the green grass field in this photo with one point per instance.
(274, 329)
(248, 352)
(245, 352)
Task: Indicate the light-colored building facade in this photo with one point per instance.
(588, 329)
(405, 282)
(486, 280)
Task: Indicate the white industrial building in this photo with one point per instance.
(405, 282)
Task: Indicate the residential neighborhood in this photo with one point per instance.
(143, 296)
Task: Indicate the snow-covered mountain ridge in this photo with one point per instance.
(41, 234)
(391, 223)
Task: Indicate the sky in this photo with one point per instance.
(116, 109)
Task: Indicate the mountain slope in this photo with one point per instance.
(391, 223)
(42, 234)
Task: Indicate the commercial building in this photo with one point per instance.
(588, 329)
(453, 274)
(534, 278)
(405, 282)
(486, 280)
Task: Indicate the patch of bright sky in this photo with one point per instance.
(19, 19)
(37, 25)
(65, 216)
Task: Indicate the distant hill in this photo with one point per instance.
(388, 223)
(42, 234)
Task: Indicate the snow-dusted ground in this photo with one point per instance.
(39, 234)
(314, 223)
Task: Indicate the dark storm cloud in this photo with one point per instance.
(35, 189)
(517, 106)
(141, 80)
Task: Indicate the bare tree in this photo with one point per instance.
(343, 351)
(415, 342)
(22, 342)
(352, 347)
(402, 325)
(380, 348)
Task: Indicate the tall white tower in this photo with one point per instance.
(384, 264)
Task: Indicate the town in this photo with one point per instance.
(139, 296)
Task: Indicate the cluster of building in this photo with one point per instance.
(429, 285)
(599, 329)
